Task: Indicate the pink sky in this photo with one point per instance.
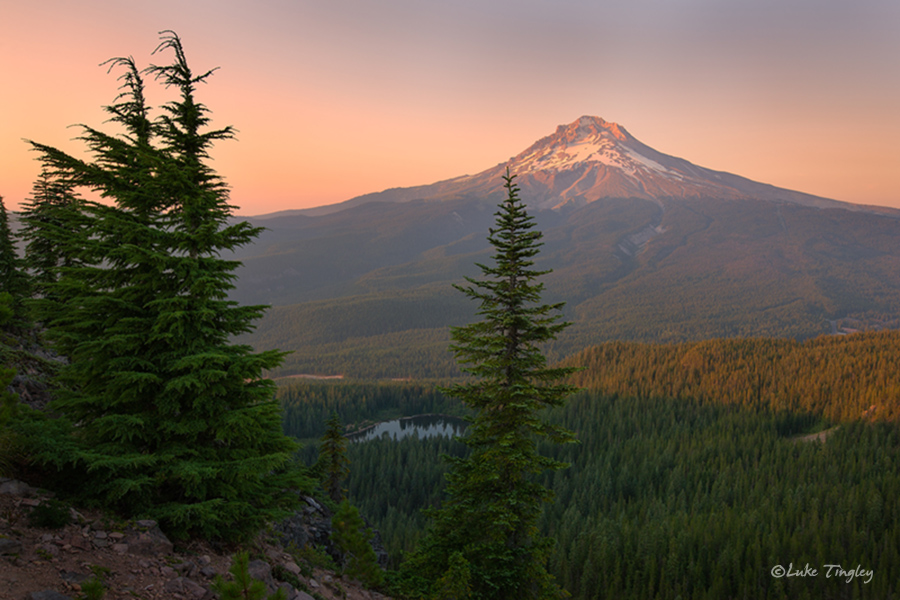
(339, 98)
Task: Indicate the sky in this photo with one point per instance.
(337, 98)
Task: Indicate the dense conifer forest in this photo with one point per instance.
(835, 377)
(695, 475)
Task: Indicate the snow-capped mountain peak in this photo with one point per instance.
(591, 158)
(587, 140)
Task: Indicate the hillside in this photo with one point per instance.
(367, 291)
(43, 556)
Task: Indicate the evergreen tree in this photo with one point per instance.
(354, 539)
(13, 281)
(454, 585)
(12, 287)
(333, 460)
(175, 422)
(487, 525)
(51, 219)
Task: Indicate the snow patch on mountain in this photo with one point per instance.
(650, 164)
(588, 140)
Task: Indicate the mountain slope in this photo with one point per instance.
(643, 247)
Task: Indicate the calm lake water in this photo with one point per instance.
(423, 425)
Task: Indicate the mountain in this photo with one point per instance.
(643, 246)
(588, 160)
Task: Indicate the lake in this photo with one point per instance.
(423, 425)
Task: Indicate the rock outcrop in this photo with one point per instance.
(136, 559)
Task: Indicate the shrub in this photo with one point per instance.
(243, 587)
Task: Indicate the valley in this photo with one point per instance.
(688, 479)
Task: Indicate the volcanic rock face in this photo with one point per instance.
(589, 140)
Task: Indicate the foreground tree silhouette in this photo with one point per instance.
(171, 420)
(486, 529)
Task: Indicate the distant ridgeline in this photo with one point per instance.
(690, 479)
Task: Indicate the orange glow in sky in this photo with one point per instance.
(336, 99)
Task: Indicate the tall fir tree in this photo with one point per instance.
(333, 461)
(487, 526)
(175, 421)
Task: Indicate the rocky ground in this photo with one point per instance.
(135, 559)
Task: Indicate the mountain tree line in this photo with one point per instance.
(681, 498)
(836, 378)
(307, 404)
